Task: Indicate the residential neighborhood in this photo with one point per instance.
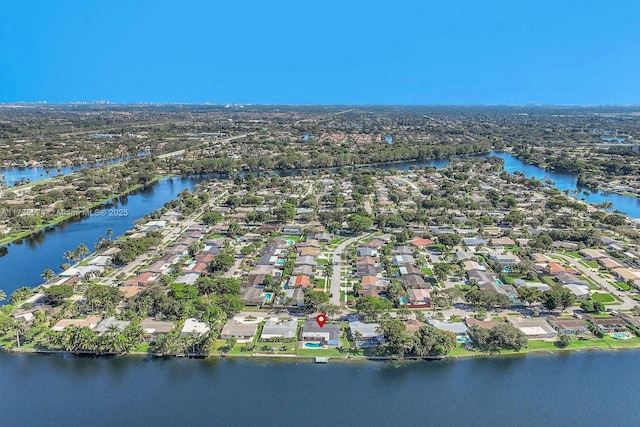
(239, 267)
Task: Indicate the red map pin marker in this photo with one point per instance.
(321, 319)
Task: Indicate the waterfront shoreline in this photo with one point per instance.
(346, 358)
(94, 205)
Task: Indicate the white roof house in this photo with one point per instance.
(194, 326)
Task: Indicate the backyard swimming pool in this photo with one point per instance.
(313, 345)
(620, 336)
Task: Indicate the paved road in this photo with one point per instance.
(169, 237)
(604, 284)
(409, 183)
(337, 264)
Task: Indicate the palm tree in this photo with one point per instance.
(69, 256)
(48, 274)
(21, 328)
(357, 336)
(82, 250)
(328, 272)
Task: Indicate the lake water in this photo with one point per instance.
(586, 389)
(26, 260)
(11, 176)
(626, 204)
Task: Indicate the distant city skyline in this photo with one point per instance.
(497, 52)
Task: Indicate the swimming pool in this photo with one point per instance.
(280, 262)
(313, 345)
(463, 339)
(403, 300)
(267, 296)
(620, 336)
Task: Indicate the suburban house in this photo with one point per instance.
(632, 320)
(366, 251)
(607, 324)
(300, 281)
(568, 326)
(306, 260)
(626, 274)
(252, 296)
(534, 328)
(328, 334)
(89, 321)
(609, 263)
(421, 242)
(505, 258)
(194, 326)
(592, 254)
(273, 330)
(27, 314)
(367, 334)
(567, 279)
(414, 281)
(111, 323)
(242, 332)
(458, 328)
(579, 291)
(292, 230)
(155, 327)
(419, 297)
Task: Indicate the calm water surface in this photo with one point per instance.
(589, 389)
(25, 261)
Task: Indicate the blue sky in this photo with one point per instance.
(315, 52)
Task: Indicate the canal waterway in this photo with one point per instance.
(25, 175)
(26, 259)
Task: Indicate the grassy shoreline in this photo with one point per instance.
(78, 211)
(310, 354)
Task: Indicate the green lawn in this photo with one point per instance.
(326, 352)
(621, 285)
(538, 345)
(142, 348)
(591, 264)
(350, 296)
(602, 297)
(573, 254)
(427, 271)
(548, 280)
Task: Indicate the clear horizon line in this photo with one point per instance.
(107, 102)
